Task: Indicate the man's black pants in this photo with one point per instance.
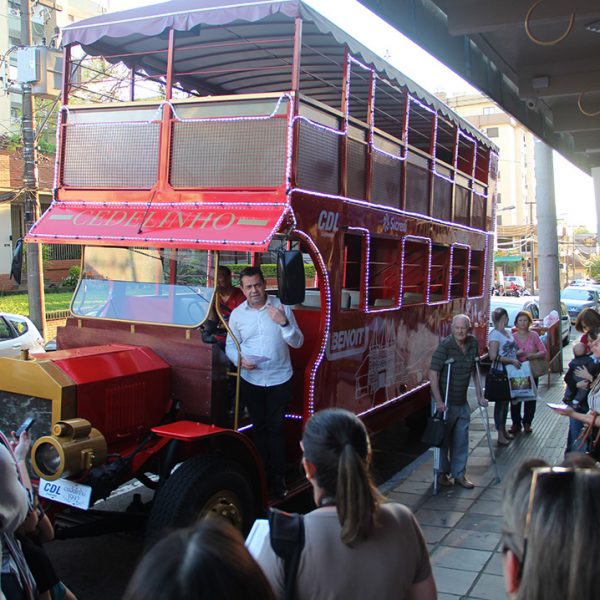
(267, 406)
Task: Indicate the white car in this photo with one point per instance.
(531, 304)
(18, 333)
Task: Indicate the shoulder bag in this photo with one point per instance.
(496, 383)
(538, 366)
(435, 431)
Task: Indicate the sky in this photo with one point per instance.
(413, 61)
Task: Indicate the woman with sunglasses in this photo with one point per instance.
(551, 519)
(356, 546)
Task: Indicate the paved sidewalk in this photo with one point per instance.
(462, 527)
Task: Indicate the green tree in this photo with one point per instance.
(593, 267)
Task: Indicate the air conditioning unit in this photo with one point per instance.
(42, 67)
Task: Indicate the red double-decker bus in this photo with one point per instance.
(273, 130)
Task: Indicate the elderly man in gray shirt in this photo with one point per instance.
(462, 348)
(265, 329)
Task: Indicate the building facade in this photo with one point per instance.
(47, 17)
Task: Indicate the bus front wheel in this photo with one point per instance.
(202, 485)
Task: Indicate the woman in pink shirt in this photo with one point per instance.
(529, 346)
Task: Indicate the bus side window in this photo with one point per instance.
(414, 274)
(476, 273)
(440, 267)
(384, 272)
(460, 262)
(352, 273)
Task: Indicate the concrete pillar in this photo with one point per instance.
(596, 178)
(548, 257)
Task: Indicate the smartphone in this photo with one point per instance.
(24, 426)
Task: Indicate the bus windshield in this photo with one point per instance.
(146, 285)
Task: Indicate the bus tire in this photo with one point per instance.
(202, 485)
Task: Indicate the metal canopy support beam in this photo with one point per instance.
(548, 264)
(596, 177)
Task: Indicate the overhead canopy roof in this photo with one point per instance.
(247, 228)
(554, 90)
(219, 60)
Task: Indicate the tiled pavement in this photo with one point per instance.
(462, 527)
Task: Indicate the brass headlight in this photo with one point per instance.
(74, 446)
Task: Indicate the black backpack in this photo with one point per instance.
(286, 531)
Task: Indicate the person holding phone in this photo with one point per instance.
(16, 503)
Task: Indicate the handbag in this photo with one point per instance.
(435, 430)
(538, 366)
(496, 383)
(520, 381)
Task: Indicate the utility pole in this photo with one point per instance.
(35, 275)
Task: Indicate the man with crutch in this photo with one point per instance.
(463, 349)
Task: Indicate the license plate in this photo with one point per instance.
(67, 492)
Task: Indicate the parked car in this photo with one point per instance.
(577, 298)
(530, 304)
(513, 305)
(18, 333)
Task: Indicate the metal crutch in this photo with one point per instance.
(437, 454)
(486, 425)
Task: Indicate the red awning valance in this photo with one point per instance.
(244, 227)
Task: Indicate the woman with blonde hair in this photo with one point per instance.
(503, 348)
(355, 546)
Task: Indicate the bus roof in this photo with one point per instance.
(125, 36)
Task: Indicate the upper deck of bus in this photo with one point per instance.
(261, 101)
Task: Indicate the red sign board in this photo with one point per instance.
(248, 227)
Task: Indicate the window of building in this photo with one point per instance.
(492, 132)
(491, 110)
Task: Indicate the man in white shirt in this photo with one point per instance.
(265, 329)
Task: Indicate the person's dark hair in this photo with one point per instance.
(578, 460)
(524, 313)
(593, 334)
(225, 270)
(205, 562)
(251, 272)
(562, 533)
(337, 444)
(498, 314)
(589, 319)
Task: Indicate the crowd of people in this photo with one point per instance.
(355, 544)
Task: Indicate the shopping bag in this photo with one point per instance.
(520, 381)
(435, 430)
(538, 366)
(496, 383)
